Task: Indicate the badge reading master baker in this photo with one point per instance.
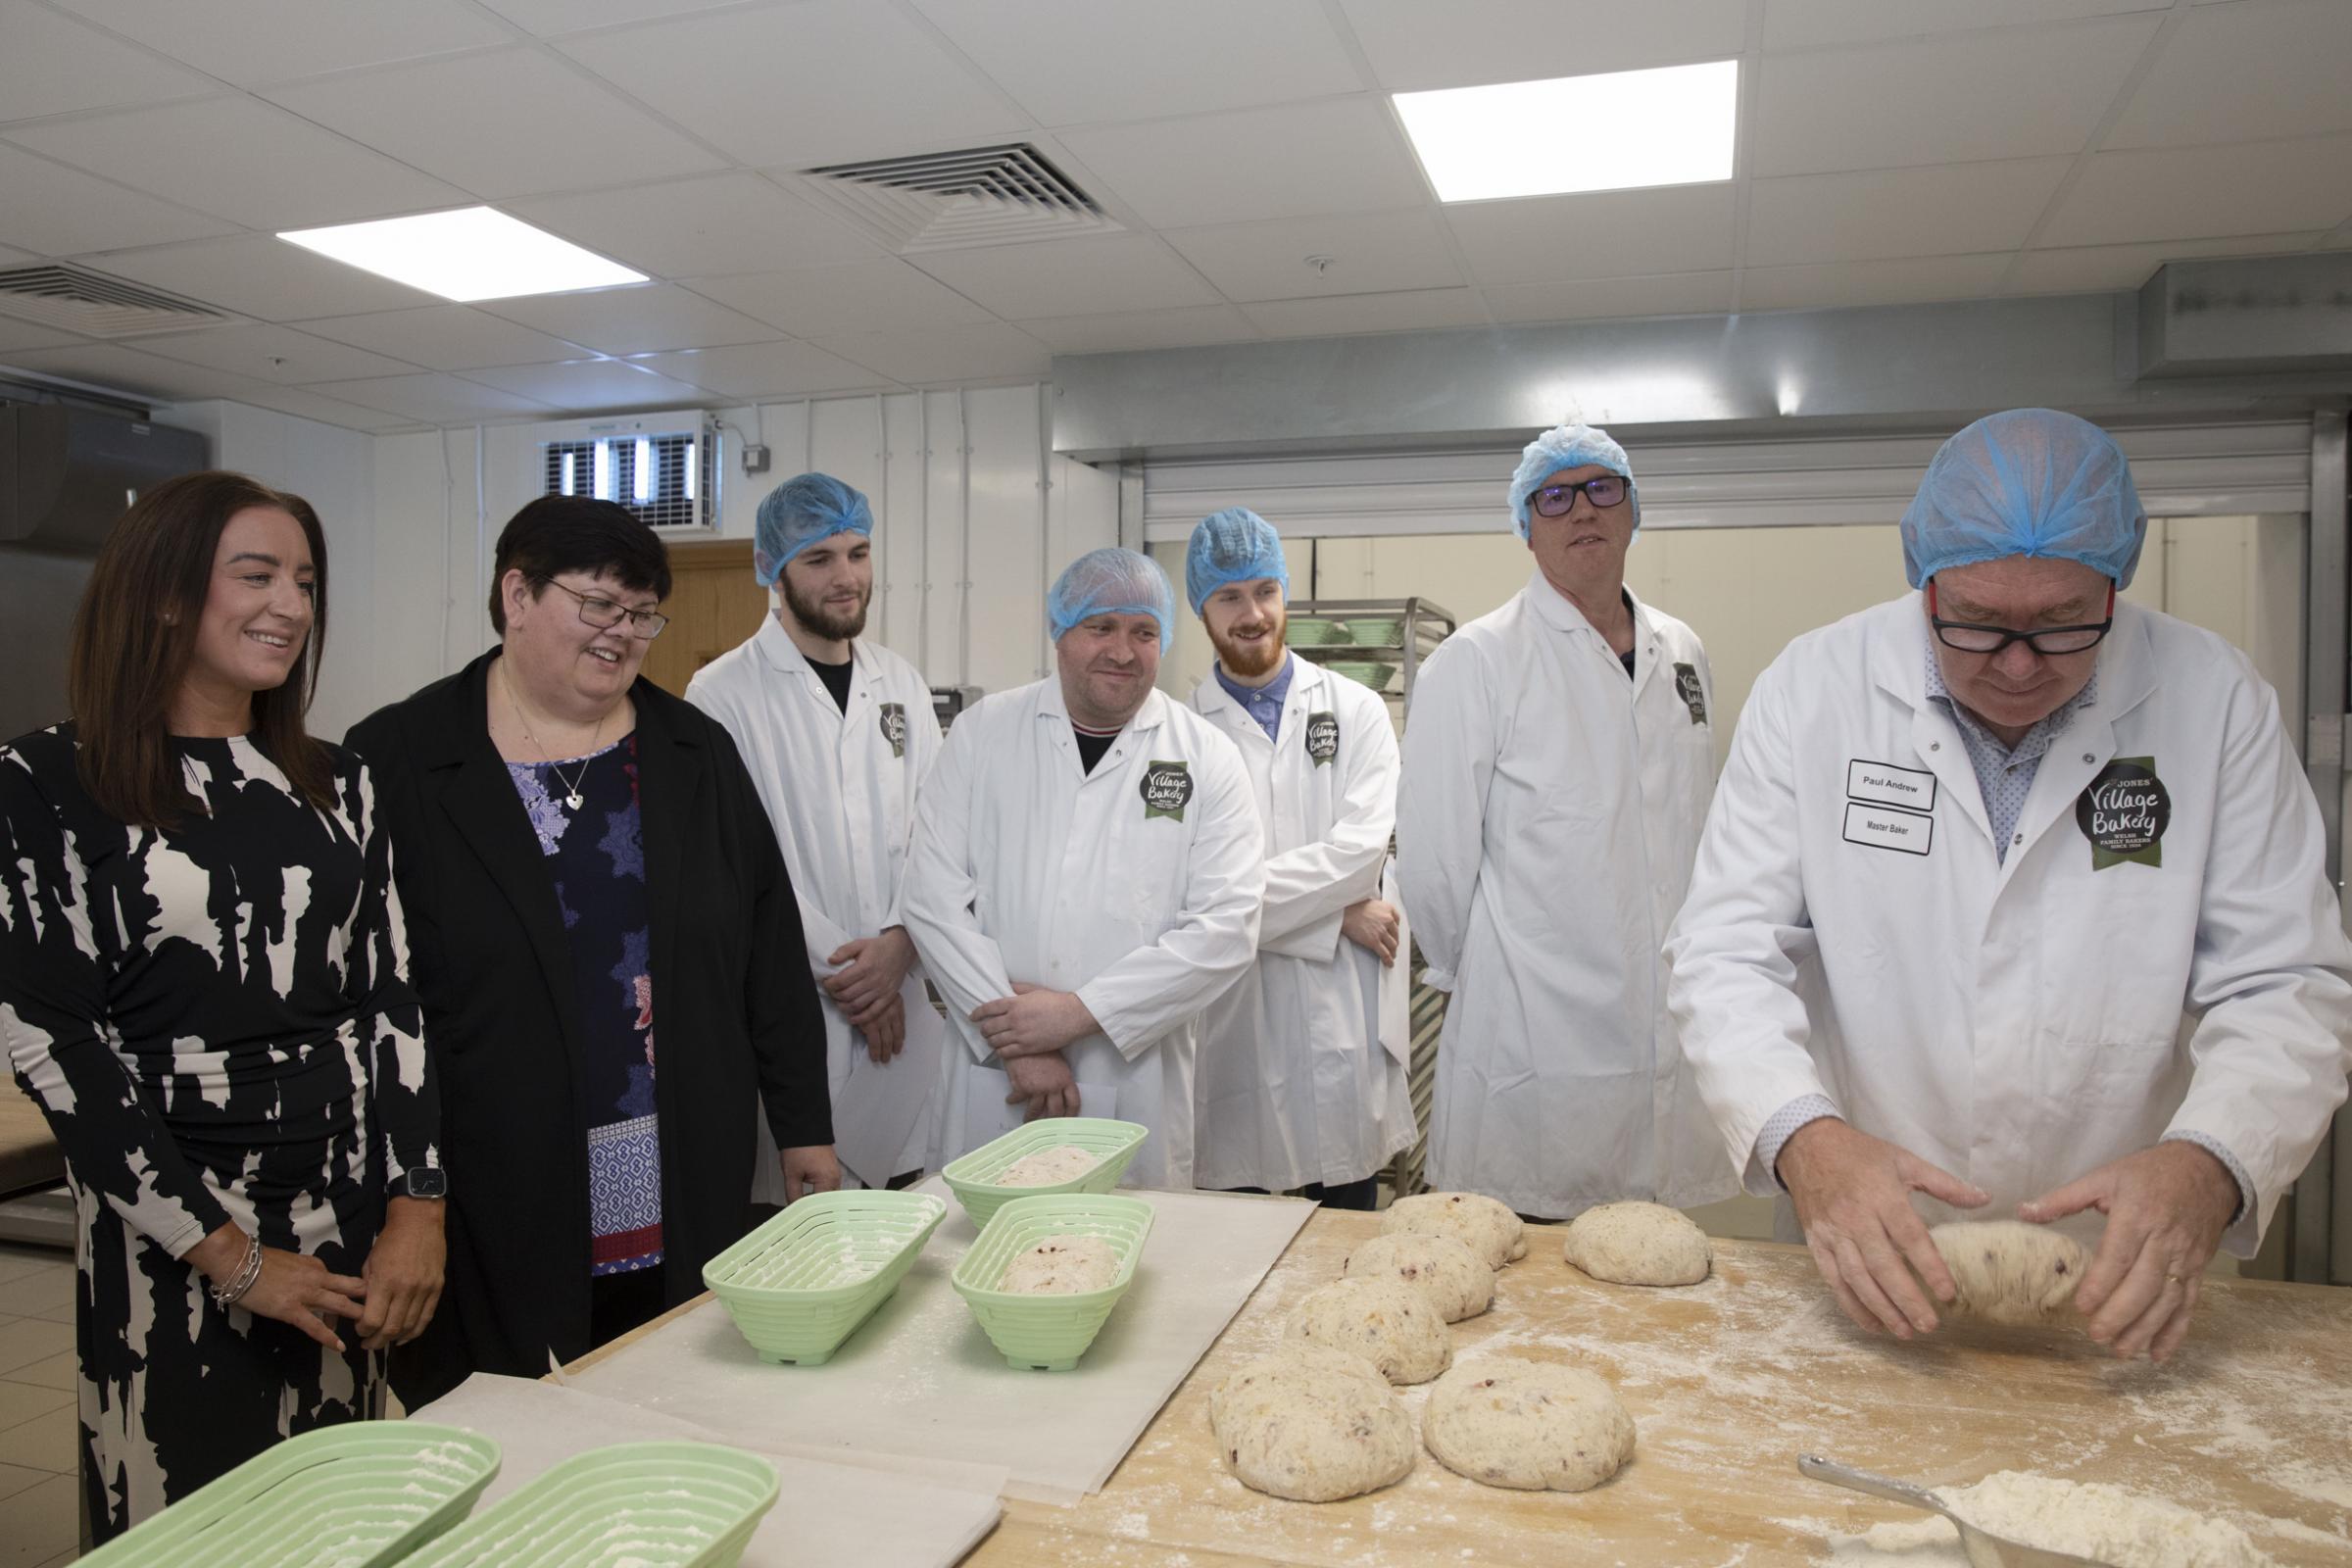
(894, 727)
(2124, 812)
(1694, 695)
(1167, 788)
(1322, 737)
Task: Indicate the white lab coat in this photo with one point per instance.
(1302, 1069)
(2018, 1023)
(839, 788)
(1546, 825)
(1026, 867)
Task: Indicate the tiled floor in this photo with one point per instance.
(39, 1498)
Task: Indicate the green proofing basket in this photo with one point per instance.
(355, 1496)
(1312, 631)
(1371, 672)
(632, 1506)
(802, 1283)
(1050, 1333)
(972, 1179)
(1376, 633)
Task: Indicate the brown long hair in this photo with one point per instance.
(134, 634)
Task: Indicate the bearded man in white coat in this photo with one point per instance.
(1086, 879)
(2014, 896)
(1302, 1085)
(1558, 758)
(838, 732)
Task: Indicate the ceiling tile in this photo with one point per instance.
(511, 123)
(1344, 314)
(1415, 45)
(251, 41)
(642, 319)
(262, 276)
(239, 158)
(433, 399)
(272, 353)
(1369, 253)
(1593, 299)
(551, 17)
(55, 65)
(445, 337)
(880, 295)
(1190, 328)
(992, 353)
(16, 334)
(1081, 276)
(1913, 282)
(753, 371)
(306, 403)
(734, 222)
(1978, 95)
(1337, 156)
(1172, 59)
(2273, 187)
(116, 368)
(2098, 268)
(1953, 210)
(1614, 233)
(591, 386)
(55, 211)
(818, 82)
(2241, 71)
(1806, 23)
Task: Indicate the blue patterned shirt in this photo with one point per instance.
(1262, 702)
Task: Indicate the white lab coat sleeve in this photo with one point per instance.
(2270, 972)
(1743, 931)
(923, 741)
(939, 888)
(820, 936)
(1449, 763)
(1310, 888)
(1214, 938)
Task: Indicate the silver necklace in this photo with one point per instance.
(573, 797)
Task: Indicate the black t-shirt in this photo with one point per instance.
(836, 678)
(1626, 657)
(1092, 747)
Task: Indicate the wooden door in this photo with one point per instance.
(714, 605)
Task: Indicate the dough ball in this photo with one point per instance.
(1533, 1425)
(1049, 1167)
(1487, 1227)
(2011, 1272)
(1061, 1265)
(1386, 1322)
(1312, 1424)
(1638, 1244)
(1458, 1285)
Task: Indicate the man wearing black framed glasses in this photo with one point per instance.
(2015, 896)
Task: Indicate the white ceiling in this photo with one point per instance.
(1892, 151)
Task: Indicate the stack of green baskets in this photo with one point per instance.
(1312, 631)
(972, 1179)
(1376, 633)
(1371, 671)
(355, 1496)
(802, 1283)
(638, 1504)
(1050, 1333)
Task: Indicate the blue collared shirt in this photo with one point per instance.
(1262, 702)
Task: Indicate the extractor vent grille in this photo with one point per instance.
(100, 305)
(953, 201)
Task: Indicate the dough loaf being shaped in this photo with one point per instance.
(1049, 1167)
(1061, 1265)
(1457, 1284)
(1532, 1425)
(1487, 1227)
(1638, 1244)
(1312, 1424)
(1386, 1321)
(2010, 1272)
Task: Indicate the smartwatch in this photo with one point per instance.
(419, 1181)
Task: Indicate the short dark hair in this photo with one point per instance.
(577, 533)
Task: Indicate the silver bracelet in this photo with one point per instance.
(227, 1296)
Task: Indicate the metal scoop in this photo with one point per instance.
(1983, 1549)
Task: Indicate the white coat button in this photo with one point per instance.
(2020, 838)
(2088, 758)
(1934, 746)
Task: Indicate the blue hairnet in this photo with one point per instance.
(1234, 545)
(1569, 446)
(2027, 482)
(803, 508)
(1112, 582)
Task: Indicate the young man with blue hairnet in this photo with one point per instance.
(1558, 758)
(2014, 895)
(1303, 1082)
(1086, 879)
(839, 732)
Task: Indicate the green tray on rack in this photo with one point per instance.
(1050, 1333)
(638, 1504)
(801, 1284)
(1376, 633)
(1312, 631)
(1370, 672)
(355, 1496)
(972, 1179)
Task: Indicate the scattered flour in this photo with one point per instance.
(2087, 1518)
(1049, 1167)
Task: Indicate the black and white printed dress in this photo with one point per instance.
(218, 1024)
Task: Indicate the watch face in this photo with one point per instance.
(428, 1182)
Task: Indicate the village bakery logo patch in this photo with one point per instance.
(1322, 737)
(1167, 788)
(1694, 694)
(894, 727)
(2124, 812)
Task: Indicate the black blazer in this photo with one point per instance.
(740, 1022)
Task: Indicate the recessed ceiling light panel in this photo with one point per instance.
(1626, 128)
(475, 253)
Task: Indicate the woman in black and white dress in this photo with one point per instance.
(201, 984)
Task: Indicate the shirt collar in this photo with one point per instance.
(2035, 740)
(1272, 695)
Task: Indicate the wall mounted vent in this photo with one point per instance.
(97, 305)
(1003, 195)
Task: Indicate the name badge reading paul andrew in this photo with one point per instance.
(1322, 737)
(894, 727)
(1167, 788)
(2124, 812)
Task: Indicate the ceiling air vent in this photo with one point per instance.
(953, 201)
(100, 305)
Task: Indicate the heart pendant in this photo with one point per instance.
(575, 800)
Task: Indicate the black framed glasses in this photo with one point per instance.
(1556, 500)
(1970, 637)
(604, 615)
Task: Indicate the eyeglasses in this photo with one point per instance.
(1968, 637)
(604, 615)
(1556, 500)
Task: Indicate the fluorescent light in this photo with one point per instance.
(475, 253)
(1671, 126)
